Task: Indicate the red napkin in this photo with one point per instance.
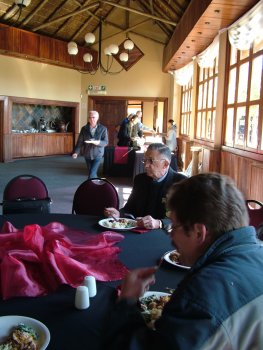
(140, 230)
(121, 155)
(36, 260)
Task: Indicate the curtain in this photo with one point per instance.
(206, 58)
(247, 28)
(183, 75)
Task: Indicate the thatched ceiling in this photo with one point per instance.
(154, 20)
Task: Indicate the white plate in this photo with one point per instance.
(7, 323)
(109, 223)
(153, 293)
(167, 258)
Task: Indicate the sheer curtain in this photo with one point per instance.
(183, 75)
(246, 29)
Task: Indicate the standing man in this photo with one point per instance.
(93, 138)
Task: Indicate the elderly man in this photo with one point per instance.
(93, 137)
(147, 200)
(219, 303)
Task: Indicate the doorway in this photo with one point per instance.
(113, 110)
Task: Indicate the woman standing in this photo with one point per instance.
(170, 138)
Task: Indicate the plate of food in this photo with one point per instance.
(118, 224)
(21, 332)
(152, 304)
(173, 257)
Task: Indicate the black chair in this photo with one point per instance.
(93, 196)
(26, 194)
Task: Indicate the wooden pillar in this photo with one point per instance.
(195, 159)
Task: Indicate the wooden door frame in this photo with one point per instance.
(92, 99)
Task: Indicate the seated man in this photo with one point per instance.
(219, 303)
(147, 200)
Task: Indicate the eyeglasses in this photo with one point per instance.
(173, 228)
(151, 161)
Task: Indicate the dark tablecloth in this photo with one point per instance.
(74, 329)
(111, 169)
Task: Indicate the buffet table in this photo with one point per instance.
(110, 168)
(71, 328)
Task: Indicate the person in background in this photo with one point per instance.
(219, 303)
(124, 138)
(147, 200)
(135, 132)
(141, 125)
(170, 138)
(93, 138)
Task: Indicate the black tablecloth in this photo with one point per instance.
(74, 329)
(111, 169)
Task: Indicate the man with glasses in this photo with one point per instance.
(147, 200)
(219, 303)
(93, 138)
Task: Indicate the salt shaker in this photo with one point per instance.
(90, 283)
(82, 298)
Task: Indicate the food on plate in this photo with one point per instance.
(119, 223)
(174, 257)
(152, 307)
(22, 337)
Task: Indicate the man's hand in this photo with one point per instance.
(148, 222)
(137, 282)
(111, 212)
(74, 155)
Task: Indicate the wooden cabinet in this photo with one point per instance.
(37, 145)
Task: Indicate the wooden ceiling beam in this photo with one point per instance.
(61, 18)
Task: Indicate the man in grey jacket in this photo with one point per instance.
(93, 138)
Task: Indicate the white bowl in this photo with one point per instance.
(7, 324)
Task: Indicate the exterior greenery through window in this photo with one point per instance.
(244, 99)
(206, 102)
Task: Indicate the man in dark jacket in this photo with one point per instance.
(93, 137)
(219, 303)
(147, 200)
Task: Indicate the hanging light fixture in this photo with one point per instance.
(110, 51)
(14, 13)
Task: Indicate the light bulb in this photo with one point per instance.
(90, 38)
(72, 48)
(128, 44)
(107, 51)
(87, 57)
(23, 3)
(114, 49)
(124, 57)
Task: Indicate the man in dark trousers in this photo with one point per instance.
(93, 137)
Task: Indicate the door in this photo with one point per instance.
(111, 112)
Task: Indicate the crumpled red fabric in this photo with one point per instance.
(36, 260)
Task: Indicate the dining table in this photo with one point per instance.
(69, 327)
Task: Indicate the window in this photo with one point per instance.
(243, 126)
(186, 108)
(206, 102)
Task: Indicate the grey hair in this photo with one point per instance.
(95, 112)
(162, 149)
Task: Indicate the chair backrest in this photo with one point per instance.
(25, 187)
(255, 211)
(93, 196)
(26, 194)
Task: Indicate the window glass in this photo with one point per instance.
(198, 125)
(215, 92)
(252, 140)
(233, 55)
(258, 44)
(208, 125)
(232, 86)
(240, 126)
(200, 96)
(210, 93)
(243, 83)
(203, 130)
(256, 78)
(229, 127)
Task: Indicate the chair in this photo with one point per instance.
(255, 211)
(26, 194)
(93, 195)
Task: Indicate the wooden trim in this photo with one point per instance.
(251, 155)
